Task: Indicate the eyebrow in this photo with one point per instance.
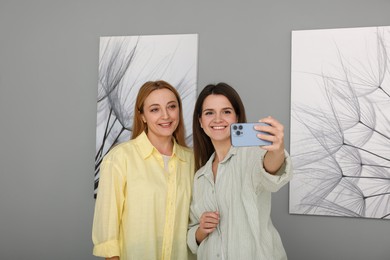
(170, 102)
(211, 109)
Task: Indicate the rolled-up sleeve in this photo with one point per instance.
(192, 227)
(262, 180)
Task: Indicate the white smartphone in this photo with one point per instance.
(244, 134)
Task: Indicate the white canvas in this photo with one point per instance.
(340, 122)
(125, 64)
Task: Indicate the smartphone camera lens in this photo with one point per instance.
(240, 127)
(234, 127)
(238, 132)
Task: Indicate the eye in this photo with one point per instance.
(172, 106)
(228, 112)
(154, 110)
(208, 113)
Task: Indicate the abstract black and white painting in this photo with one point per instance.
(125, 64)
(340, 122)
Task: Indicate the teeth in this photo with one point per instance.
(166, 124)
(218, 127)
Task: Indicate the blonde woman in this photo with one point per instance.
(144, 193)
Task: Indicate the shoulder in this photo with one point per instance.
(120, 150)
(185, 150)
(184, 153)
(204, 170)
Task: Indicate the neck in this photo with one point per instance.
(163, 144)
(221, 150)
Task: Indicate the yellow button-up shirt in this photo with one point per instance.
(142, 208)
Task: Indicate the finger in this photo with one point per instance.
(211, 221)
(272, 121)
(271, 128)
(275, 138)
(210, 225)
(265, 128)
(274, 147)
(266, 137)
(269, 120)
(208, 230)
(210, 215)
(274, 131)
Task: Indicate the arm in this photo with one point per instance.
(108, 209)
(274, 168)
(201, 224)
(208, 223)
(199, 229)
(275, 155)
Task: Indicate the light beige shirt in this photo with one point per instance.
(242, 195)
(142, 208)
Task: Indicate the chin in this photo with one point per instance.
(167, 132)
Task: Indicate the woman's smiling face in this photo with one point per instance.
(217, 116)
(161, 113)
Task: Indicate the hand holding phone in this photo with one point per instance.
(244, 134)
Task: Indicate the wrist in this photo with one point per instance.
(199, 236)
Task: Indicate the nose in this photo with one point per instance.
(218, 117)
(165, 113)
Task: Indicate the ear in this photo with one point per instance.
(143, 118)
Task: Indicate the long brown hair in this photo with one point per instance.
(138, 124)
(203, 147)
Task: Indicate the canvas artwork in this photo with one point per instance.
(340, 122)
(125, 64)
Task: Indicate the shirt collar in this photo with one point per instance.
(146, 147)
(232, 151)
(206, 170)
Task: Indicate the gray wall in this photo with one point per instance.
(48, 87)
